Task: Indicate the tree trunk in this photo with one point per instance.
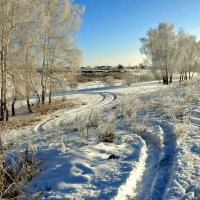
(192, 75)
(50, 89)
(4, 110)
(2, 82)
(185, 78)
(7, 114)
(43, 95)
(13, 106)
(29, 106)
(43, 83)
(38, 96)
(170, 79)
(2, 107)
(165, 79)
(50, 96)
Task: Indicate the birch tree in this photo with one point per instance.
(189, 54)
(35, 36)
(7, 23)
(160, 47)
(59, 21)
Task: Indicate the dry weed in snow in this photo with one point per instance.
(129, 107)
(16, 169)
(85, 122)
(109, 80)
(106, 129)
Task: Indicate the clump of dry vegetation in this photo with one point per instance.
(16, 170)
(130, 77)
(109, 80)
(38, 110)
(85, 122)
(129, 107)
(15, 123)
(89, 78)
(106, 129)
(55, 105)
(99, 76)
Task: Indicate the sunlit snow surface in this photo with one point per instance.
(151, 165)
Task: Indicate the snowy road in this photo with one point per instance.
(69, 116)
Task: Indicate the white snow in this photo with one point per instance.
(153, 163)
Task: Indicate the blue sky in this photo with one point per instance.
(111, 29)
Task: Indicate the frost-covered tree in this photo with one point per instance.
(189, 54)
(169, 52)
(59, 21)
(9, 18)
(160, 47)
(35, 36)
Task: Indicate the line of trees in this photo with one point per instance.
(36, 37)
(170, 52)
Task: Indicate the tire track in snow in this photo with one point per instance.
(106, 98)
(39, 127)
(159, 163)
(165, 165)
(151, 161)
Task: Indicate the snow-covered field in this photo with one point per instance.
(156, 145)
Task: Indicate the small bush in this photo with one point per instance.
(55, 105)
(129, 78)
(16, 169)
(144, 77)
(106, 130)
(73, 84)
(129, 107)
(117, 75)
(180, 131)
(85, 122)
(157, 76)
(109, 80)
(89, 78)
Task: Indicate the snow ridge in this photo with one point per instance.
(128, 188)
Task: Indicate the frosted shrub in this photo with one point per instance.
(129, 107)
(180, 131)
(157, 75)
(144, 77)
(191, 96)
(93, 118)
(82, 126)
(73, 84)
(16, 169)
(86, 121)
(62, 145)
(129, 78)
(106, 130)
(109, 80)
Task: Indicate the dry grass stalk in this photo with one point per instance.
(15, 171)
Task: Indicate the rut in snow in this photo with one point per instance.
(106, 98)
(161, 148)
